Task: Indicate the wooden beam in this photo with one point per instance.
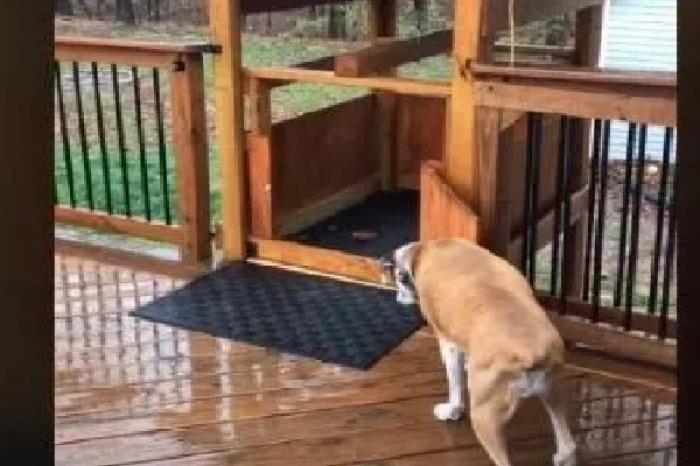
(225, 19)
(125, 52)
(318, 259)
(532, 10)
(461, 156)
(262, 188)
(397, 85)
(616, 343)
(652, 105)
(494, 204)
(119, 225)
(189, 130)
(641, 322)
(389, 53)
(545, 225)
(122, 258)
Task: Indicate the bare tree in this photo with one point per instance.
(125, 11)
(64, 7)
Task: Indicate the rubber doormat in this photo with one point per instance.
(316, 317)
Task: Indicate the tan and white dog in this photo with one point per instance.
(484, 313)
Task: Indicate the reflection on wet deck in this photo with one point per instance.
(134, 392)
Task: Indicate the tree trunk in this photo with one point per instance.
(64, 7)
(336, 22)
(125, 11)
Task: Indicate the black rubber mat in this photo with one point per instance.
(381, 223)
(336, 322)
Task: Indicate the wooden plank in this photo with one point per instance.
(226, 26)
(126, 52)
(443, 214)
(311, 214)
(321, 153)
(494, 202)
(545, 225)
(461, 158)
(532, 10)
(189, 132)
(382, 18)
(121, 258)
(120, 225)
(616, 343)
(326, 261)
(262, 189)
(636, 104)
(385, 54)
(579, 75)
(397, 85)
(260, 107)
(641, 322)
(385, 114)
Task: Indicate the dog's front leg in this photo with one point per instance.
(453, 358)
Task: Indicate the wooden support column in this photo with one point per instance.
(189, 127)
(382, 23)
(225, 24)
(493, 201)
(588, 41)
(461, 157)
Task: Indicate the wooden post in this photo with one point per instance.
(382, 23)
(189, 127)
(493, 203)
(260, 107)
(588, 41)
(461, 156)
(225, 24)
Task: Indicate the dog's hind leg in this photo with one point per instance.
(492, 404)
(453, 358)
(555, 400)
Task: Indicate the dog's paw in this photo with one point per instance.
(447, 412)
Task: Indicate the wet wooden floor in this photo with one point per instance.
(130, 392)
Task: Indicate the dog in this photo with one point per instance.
(485, 314)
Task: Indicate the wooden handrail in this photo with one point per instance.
(127, 52)
(398, 85)
(641, 97)
(577, 74)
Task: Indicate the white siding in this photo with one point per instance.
(639, 35)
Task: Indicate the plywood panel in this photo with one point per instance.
(420, 133)
(321, 153)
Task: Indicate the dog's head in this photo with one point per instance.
(398, 267)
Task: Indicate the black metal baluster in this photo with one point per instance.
(535, 195)
(101, 136)
(600, 230)
(142, 145)
(528, 196)
(668, 261)
(161, 147)
(624, 226)
(65, 137)
(561, 160)
(634, 235)
(660, 214)
(592, 186)
(567, 175)
(120, 140)
(83, 137)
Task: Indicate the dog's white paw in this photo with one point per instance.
(565, 458)
(447, 412)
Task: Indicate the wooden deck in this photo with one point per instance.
(130, 392)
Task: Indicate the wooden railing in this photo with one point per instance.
(546, 182)
(131, 141)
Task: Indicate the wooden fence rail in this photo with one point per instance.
(184, 135)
